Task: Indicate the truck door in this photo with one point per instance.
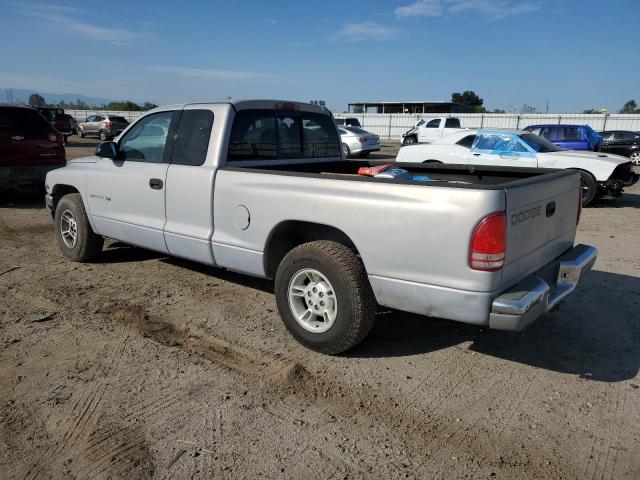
(501, 149)
(429, 131)
(189, 193)
(126, 196)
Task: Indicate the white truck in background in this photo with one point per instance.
(429, 129)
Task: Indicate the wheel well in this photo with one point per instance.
(291, 233)
(60, 191)
(432, 161)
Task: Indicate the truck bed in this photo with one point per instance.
(477, 177)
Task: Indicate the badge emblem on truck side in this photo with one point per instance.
(525, 215)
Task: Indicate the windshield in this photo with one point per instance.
(539, 144)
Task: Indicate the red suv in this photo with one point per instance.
(29, 146)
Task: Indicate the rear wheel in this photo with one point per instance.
(635, 158)
(588, 187)
(346, 150)
(73, 231)
(104, 136)
(324, 296)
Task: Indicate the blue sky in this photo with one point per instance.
(576, 54)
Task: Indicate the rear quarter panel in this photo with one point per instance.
(414, 233)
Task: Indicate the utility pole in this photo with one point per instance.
(546, 110)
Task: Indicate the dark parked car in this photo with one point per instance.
(571, 137)
(29, 146)
(622, 142)
(58, 119)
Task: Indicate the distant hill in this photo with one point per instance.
(22, 95)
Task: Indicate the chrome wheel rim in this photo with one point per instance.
(69, 229)
(312, 300)
(635, 158)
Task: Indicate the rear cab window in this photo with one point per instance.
(452, 123)
(281, 135)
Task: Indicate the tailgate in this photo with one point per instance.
(541, 222)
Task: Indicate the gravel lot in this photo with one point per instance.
(142, 366)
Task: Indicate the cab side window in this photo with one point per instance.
(147, 139)
(435, 123)
(192, 141)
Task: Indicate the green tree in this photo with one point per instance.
(36, 100)
(590, 110)
(630, 107)
(468, 97)
(498, 110)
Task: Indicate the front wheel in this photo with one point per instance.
(635, 158)
(73, 231)
(324, 297)
(588, 187)
(104, 136)
(410, 141)
(80, 133)
(346, 150)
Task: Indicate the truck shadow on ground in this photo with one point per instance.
(595, 335)
(626, 200)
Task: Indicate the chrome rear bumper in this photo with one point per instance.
(519, 306)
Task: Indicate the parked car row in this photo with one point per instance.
(601, 174)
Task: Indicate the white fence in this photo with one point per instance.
(392, 125)
(81, 115)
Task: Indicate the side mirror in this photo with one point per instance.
(107, 150)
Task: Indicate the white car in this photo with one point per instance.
(600, 174)
(356, 141)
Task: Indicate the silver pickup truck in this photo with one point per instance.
(261, 187)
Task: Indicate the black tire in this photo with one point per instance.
(80, 133)
(589, 188)
(356, 305)
(346, 150)
(87, 245)
(104, 136)
(410, 141)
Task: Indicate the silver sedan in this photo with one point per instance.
(356, 141)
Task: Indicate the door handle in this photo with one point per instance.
(17, 137)
(476, 154)
(156, 183)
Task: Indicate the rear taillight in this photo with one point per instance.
(489, 243)
(579, 205)
(53, 137)
(109, 124)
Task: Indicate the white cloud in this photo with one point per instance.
(421, 8)
(357, 32)
(489, 9)
(68, 19)
(212, 74)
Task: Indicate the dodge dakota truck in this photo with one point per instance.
(261, 187)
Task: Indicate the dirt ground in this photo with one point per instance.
(142, 366)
